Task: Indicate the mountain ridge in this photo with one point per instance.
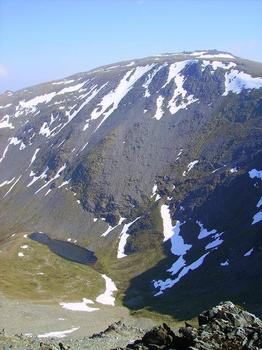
(183, 53)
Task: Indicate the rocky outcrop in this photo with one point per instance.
(225, 326)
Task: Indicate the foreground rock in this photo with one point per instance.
(225, 326)
(116, 335)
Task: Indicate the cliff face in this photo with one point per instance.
(128, 155)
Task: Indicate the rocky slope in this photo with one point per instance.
(154, 165)
(225, 326)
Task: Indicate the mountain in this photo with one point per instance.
(153, 164)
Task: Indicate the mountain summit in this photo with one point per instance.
(155, 165)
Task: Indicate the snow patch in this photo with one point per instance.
(112, 67)
(81, 306)
(236, 81)
(214, 171)
(154, 193)
(167, 222)
(154, 189)
(36, 178)
(215, 243)
(45, 131)
(249, 252)
(180, 268)
(110, 102)
(254, 173)
(197, 53)
(177, 266)
(169, 283)
(4, 122)
(190, 166)
(64, 183)
(207, 55)
(30, 105)
(107, 297)
(72, 88)
(130, 64)
(159, 111)
(57, 175)
(259, 203)
(179, 153)
(94, 91)
(257, 218)
(179, 92)
(151, 76)
(174, 70)
(47, 193)
(10, 189)
(111, 228)
(7, 182)
(178, 246)
(58, 334)
(63, 82)
(12, 141)
(6, 106)
(34, 156)
(233, 170)
(81, 150)
(217, 64)
(157, 198)
(123, 239)
(204, 232)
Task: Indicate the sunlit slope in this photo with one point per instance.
(29, 270)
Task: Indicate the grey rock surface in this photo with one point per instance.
(225, 326)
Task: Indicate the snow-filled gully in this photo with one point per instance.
(180, 268)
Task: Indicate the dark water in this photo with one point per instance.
(66, 250)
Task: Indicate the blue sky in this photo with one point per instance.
(41, 40)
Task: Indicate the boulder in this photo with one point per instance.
(225, 326)
(162, 335)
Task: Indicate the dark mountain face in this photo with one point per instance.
(156, 165)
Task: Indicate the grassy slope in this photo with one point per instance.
(61, 280)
